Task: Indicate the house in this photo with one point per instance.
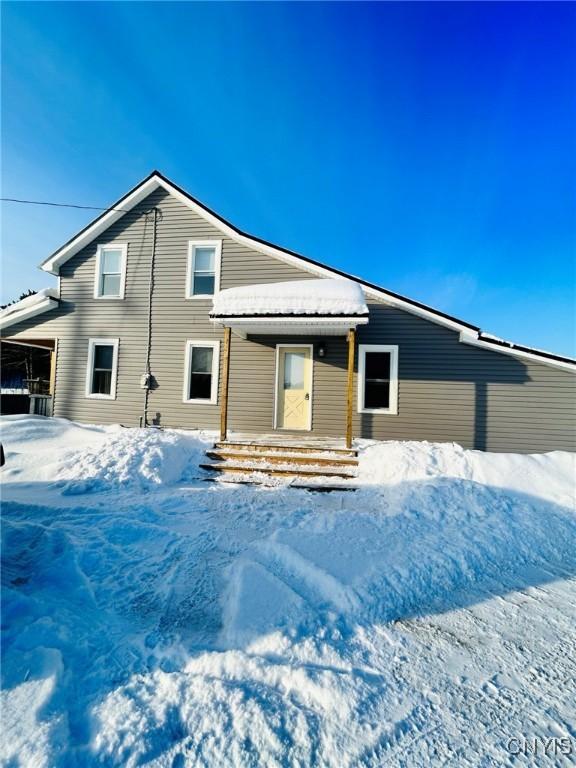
(167, 314)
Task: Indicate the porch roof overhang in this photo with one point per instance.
(300, 307)
(291, 325)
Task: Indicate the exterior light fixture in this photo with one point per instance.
(321, 350)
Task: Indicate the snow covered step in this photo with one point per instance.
(286, 446)
(286, 470)
(310, 484)
(277, 457)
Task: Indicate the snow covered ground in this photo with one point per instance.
(153, 619)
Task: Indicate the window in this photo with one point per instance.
(377, 378)
(201, 372)
(203, 277)
(102, 368)
(110, 271)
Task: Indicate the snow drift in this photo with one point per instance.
(153, 619)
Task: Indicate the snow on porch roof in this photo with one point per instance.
(29, 307)
(297, 298)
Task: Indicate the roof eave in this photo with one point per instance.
(28, 312)
(468, 333)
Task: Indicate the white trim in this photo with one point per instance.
(348, 320)
(300, 326)
(90, 369)
(149, 185)
(27, 312)
(277, 385)
(392, 409)
(475, 341)
(123, 247)
(139, 193)
(215, 346)
(192, 245)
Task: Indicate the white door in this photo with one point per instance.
(294, 387)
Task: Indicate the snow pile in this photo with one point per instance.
(298, 297)
(135, 459)
(546, 475)
(88, 458)
(423, 620)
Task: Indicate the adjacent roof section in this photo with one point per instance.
(293, 298)
(156, 181)
(31, 306)
(469, 333)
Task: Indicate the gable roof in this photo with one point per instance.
(468, 333)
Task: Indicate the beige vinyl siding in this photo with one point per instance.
(448, 391)
(253, 380)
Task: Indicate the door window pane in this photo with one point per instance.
(294, 370)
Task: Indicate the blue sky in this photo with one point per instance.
(428, 147)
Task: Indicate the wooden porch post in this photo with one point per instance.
(224, 395)
(350, 389)
(53, 353)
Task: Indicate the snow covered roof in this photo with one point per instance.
(335, 298)
(31, 306)
(469, 333)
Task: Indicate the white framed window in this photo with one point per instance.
(201, 370)
(110, 278)
(377, 378)
(102, 368)
(203, 273)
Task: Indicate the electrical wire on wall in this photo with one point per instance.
(147, 378)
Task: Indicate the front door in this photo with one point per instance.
(294, 387)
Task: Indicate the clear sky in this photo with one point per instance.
(428, 147)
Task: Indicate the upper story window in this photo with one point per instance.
(110, 271)
(102, 368)
(203, 276)
(377, 378)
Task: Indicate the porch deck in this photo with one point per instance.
(287, 441)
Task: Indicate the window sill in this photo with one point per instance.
(200, 401)
(109, 298)
(204, 296)
(100, 397)
(381, 411)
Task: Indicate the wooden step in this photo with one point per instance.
(282, 472)
(266, 447)
(281, 458)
